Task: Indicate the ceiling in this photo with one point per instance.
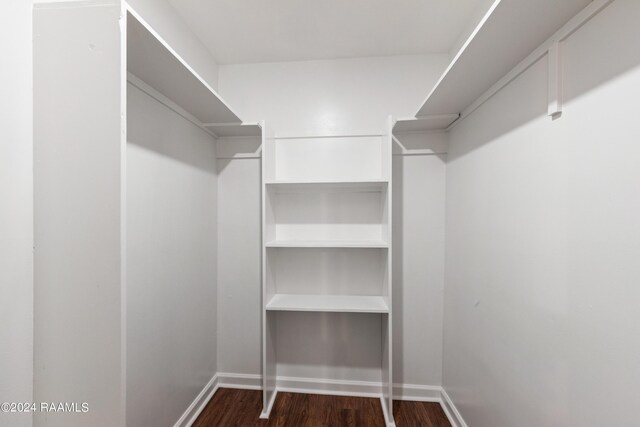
(243, 31)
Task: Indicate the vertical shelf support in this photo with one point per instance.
(269, 391)
(554, 109)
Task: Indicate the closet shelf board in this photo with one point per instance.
(153, 61)
(328, 303)
(327, 244)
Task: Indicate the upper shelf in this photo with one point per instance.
(329, 303)
(153, 61)
(422, 124)
(507, 33)
(234, 129)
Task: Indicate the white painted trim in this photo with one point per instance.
(554, 100)
(62, 4)
(417, 392)
(591, 10)
(234, 124)
(450, 410)
(411, 392)
(241, 381)
(408, 392)
(239, 156)
(288, 135)
(265, 414)
(387, 421)
(419, 153)
(122, 22)
(329, 387)
(199, 403)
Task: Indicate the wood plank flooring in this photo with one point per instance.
(241, 408)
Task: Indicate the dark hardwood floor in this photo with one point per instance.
(241, 408)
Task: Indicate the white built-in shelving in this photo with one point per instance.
(327, 237)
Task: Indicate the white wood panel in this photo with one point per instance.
(508, 32)
(327, 244)
(329, 303)
(239, 266)
(234, 129)
(16, 210)
(418, 261)
(304, 186)
(387, 325)
(171, 261)
(334, 271)
(337, 158)
(328, 213)
(152, 60)
(422, 124)
(79, 145)
(269, 362)
(329, 346)
(239, 147)
(559, 202)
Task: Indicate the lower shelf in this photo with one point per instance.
(328, 303)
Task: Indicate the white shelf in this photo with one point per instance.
(422, 124)
(328, 303)
(506, 35)
(153, 61)
(234, 129)
(355, 185)
(326, 244)
(330, 182)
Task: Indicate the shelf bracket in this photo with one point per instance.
(554, 108)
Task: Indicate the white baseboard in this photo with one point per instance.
(417, 392)
(332, 387)
(198, 404)
(409, 392)
(242, 381)
(267, 411)
(454, 416)
(388, 422)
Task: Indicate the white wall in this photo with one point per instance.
(77, 213)
(171, 261)
(16, 210)
(102, 348)
(418, 257)
(331, 95)
(323, 97)
(541, 313)
(239, 268)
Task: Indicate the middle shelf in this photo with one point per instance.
(329, 303)
(327, 244)
(346, 214)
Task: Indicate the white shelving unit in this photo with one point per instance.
(327, 237)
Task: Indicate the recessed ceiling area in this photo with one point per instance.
(245, 31)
